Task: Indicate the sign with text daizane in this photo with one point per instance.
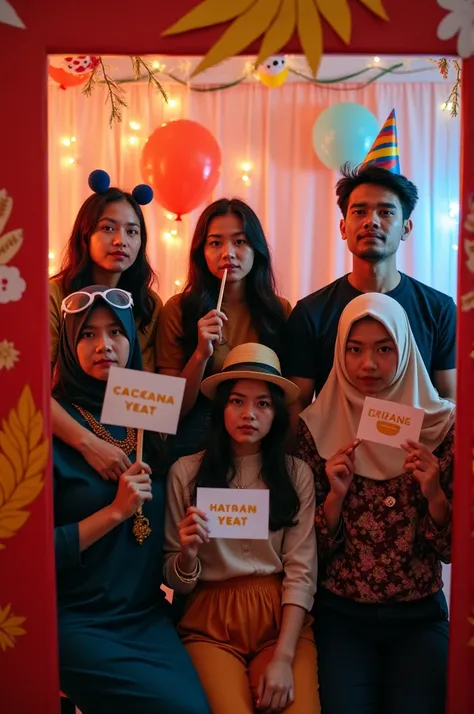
(389, 423)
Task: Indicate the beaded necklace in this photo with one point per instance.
(128, 445)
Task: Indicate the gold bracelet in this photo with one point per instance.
(187, 577)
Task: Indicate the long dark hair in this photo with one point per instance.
(156, 454)
(76, 268)
(202, 288)
(217, 468)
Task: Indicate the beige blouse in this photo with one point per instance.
(291, 551)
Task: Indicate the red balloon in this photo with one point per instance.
(182, 162)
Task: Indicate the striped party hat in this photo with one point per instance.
(384, 150)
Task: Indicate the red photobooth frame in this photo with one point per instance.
(28, 650)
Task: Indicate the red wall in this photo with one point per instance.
(29, 668)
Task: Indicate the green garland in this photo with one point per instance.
(115, 91)
(443, 65)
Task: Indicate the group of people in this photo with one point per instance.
(341, 609)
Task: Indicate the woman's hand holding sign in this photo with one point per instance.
(134, 487)
(424, 467)
(340, 469)
(340, 472)
(193, 532)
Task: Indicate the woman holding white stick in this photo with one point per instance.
(196, 331)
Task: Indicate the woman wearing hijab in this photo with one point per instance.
(383, 523)
(107, 246)
(118, 651)
(246, 625)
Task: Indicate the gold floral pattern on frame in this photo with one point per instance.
(23, 459)
(10, 628)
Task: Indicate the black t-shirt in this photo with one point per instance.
(311, 330)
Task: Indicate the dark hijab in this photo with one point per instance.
(72, 383)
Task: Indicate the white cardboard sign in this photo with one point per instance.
(235, 512)
(143, 400)
(389, 423)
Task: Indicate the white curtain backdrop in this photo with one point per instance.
(291, 191)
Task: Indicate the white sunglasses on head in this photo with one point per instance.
(81, 300)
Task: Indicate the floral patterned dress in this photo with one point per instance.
(387, 547)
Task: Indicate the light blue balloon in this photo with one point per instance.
(344, 132)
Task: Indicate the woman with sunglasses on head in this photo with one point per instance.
(246, 623)
(118, 651)
(107, 246)
(194, 337)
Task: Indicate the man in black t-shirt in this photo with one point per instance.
(376, 206)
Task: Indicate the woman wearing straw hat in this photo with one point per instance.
(246, 625)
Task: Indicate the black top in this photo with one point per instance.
(311, 330)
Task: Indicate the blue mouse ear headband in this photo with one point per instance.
(99, 182)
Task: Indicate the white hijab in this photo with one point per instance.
(333, 419)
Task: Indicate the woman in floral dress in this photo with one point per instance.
(383, 522)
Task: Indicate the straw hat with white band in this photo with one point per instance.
(251, 361)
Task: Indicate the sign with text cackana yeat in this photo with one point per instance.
(143, 400)
(389, 423)
(235, 512)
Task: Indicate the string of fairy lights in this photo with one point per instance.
(133, 139)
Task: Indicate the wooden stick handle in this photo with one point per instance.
(221, 291)
(139, 457)
(139, 454)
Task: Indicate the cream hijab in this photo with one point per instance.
(334, 417)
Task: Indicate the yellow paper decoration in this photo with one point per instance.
(280, 32)
(337, 14)
(276, 20)
(310, 33)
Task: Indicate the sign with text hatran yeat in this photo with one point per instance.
(389, 423)
(235, 512)
(143, 400)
